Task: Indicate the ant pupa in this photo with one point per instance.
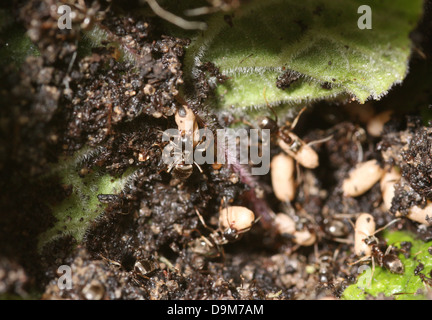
(362, 178)
(286, 225)
(282, 170)
(387, 185)
(416, 213)
(376, 124)
(234, 221)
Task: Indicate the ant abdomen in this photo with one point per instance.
(393, 264)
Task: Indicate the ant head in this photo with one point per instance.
(234, 221)
(268, 123)
(183, 171)
(232, 235)
(370, 240)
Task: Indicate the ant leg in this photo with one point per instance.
(372, 273)
(170, 167)
(316, 251)
(336, 253)
(225, 204)
(248, 124)
(202, 221)
(343, 240)
(360, 152)
(256, 220)
(389, 248)
(299, 174)
(268, 105)
(360, 260)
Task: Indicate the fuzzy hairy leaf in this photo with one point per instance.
(77, 211)
(402, 287)
(315, 39)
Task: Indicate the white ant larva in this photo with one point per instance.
(283, 177)
(362, 178)
(420, 215)
(286, 225)
(415, 213)
(233, 222)
(364, 228)
(387, 184)
(376, 124)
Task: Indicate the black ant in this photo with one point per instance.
(424, 278)
(375, 250)
(387, 259)
(289, 142)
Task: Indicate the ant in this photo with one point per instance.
(189, 136)
(366, 243)
(387, 260)
(289, 142)
(180, 168)
(326, 265)
(234, 221)
(424, 278)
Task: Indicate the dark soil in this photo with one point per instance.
(148, 243)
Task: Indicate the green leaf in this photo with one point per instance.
(77, 211)
(318, 40)
(402, 287)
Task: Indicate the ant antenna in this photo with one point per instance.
(293, 125)
(320, 140)
(202, 220)
(268, 105)
(225, 204)
(198, 166)
(387, 225)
